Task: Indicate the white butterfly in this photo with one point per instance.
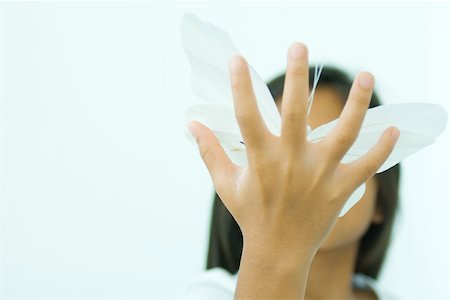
(209, 50)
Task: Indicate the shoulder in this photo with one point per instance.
(362, 281)
(216, 283)
(219, 284)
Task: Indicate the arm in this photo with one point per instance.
(286, 207)
(270, 273)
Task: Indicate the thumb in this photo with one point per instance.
(213, 155)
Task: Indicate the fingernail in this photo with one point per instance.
(366, 80)
(236, 64)
(395, 133)
(297, 51)
(192, 130)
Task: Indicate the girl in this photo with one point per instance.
(274, 231)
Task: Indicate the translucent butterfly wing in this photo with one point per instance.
(353, 199)
(209, 50)
(419, 124)
(221, 120)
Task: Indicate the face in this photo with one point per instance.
(326, 107)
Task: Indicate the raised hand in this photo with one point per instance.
(289, 196)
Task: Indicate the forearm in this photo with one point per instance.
(266, 273)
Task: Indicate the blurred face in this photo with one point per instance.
(326, 107)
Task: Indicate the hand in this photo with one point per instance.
(289, 196)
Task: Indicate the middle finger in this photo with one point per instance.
(295, 97)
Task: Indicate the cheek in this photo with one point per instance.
(351, 227)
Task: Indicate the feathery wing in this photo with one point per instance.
(209, 49)
(419, 125)
(220, 118)
(353, 199)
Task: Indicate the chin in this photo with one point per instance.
(348, 230)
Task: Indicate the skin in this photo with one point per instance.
(287, 207)
(335, 260)
(327, 106)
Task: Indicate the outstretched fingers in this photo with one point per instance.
(295, 97)
(251, 123)
(360, 170)
(342, 137)
(219, 166)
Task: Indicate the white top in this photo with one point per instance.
(219, 284)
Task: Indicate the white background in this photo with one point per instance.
(101, 193)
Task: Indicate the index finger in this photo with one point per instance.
(251, 123)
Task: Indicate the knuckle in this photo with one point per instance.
(294, 115)
(345, 139)
(362, 100)
(206, 151)
(369, 169)
(337, 194)
(260, 169)
(298, 69)
(245, 120)
(242, 115)
(359, 100)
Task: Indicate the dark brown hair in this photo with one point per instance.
(225, 241)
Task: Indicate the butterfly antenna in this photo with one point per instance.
(317, 71)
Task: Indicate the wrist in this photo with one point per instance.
(279, 257)
(268, 272)
(279, 247)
